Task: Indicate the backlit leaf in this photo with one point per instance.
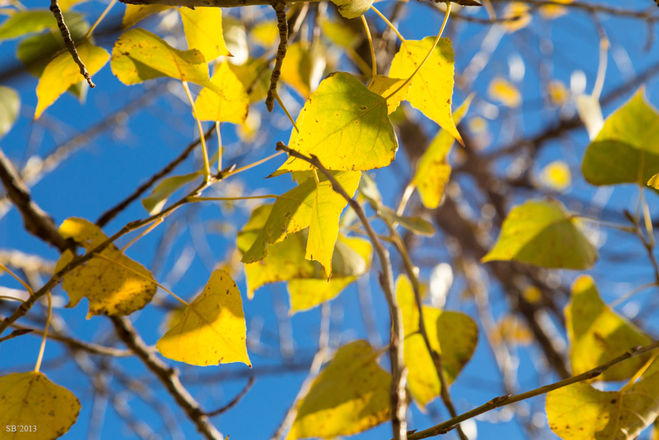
(581, 412)
(349, 396)
(505, 92)
(203, 31)
(352, 8)
(29, 399)
(139, 55)
(10, 104)
(113, 283)
(452, 334)
(542, 233)
(136, 13)
(384, 86)
(229, 104)
(62, 72)
(433, 170)
(345, 125)
(597, 334)
(211, 329)
(431, 88)
(155, 201)
(626, 150)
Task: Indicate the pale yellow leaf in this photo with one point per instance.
(505, 92)
(211, 330)
(203, 31)
(228, 104)
(385, 86)
(136, 13)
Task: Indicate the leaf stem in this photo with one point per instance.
(251, 165)
(374, 66)
(226, 199)
(17, 278)
(42, 347)
(155, 223)
(283, 107)
(207, 168)
(390, 24)
(219, 145)
(99, 19)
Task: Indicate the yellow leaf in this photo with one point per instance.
(556, 175)
(542, 233)
(113, 283)
(452, 334)
(597, 334)
(230, 104)
(433, 170)
(553, 11)
(581, 412)
(136, 13)
(384, 86)
(255, 76)
(139, 55)
(317, 207)
(300, 67)
(431, 88)
(521, 12)
(31, 400)
(505, 92)
(203, 31)
(345, 125)
(62, 72)
(308, 293)
(338, 33)
(512, 330)
(352, 8)
(349, 396)
(265, 33)
(211, 330)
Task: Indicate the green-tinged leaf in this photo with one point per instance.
(139, 55)
(385, 86)
(626, 150)
(30, 399)
(10, 104)
(542, 233)
(230, 104)
(352, 258)
(349, 396)
(136, 13)
(345, 125)
(431, 88)
(155, 201)
(453, 335)
(581, 412)
(352, 8)
(433, 170)
(414, 224)
(62, 72)
(113, 283)
(339, 33)
(255, 76)
(203, 31)
(597, 334)
(25, 22)
(310, 205)
(211, 329)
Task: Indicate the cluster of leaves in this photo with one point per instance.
(306, 236)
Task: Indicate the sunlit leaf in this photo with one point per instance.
(433, 170)
(203, 31)
(345, 125)
(139, 55)
(431, 88)
(303, 67)
(626, 150)
(581, 412)
(597, 334)
(155, 201)
(26, 22)
(255, 76)
(452, 334)
(556, 175)
(505, 92)
(349, 396)
(113, 283)
(352, 8)
(136, 13)
(385, 86)
(352, 252)
(230, 104)
(10, 104)
(211, 329)
(62, 72)
(30, 399)
(265, 33)
(542, 233)
(312, 205)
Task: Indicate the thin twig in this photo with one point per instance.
(398, 370)
(233, 401)
(282, 24)
(68, 41)
(500, 401)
